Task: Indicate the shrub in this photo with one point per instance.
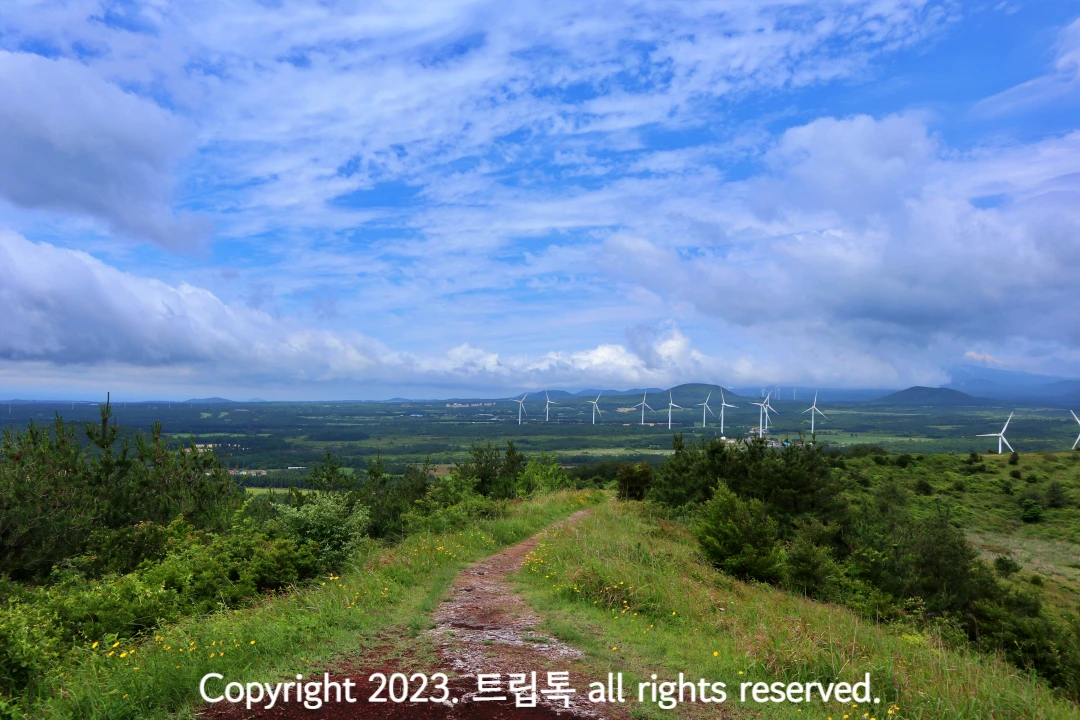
(923, 487)
(739, 537)
(959, 485)
(26, 645)
(1015, 474)
(57, 498)
(1056, 497)
(329, 523)
(1030, 510)
(809, 567)
(904, 460)
(1014, 458)
(541, 475)
(1006, 566)
(634, 481)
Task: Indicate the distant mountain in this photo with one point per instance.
(1013, 384)
(591, 393)
(254, 400)
(932, 397)
(210, 401)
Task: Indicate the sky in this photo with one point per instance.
(360, 200)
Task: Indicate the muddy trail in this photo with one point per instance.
(483, 628)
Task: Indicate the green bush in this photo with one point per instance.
(541, 475)
(1056, 497)
(1006, 566)
(1030, 510)
(58, 498)
(329, 522)
(740, 537)
(634, 482)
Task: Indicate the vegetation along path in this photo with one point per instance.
(483, 626)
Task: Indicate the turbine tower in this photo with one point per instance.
(1001, 436)
(1077, 419)
(723, 404)
(548, 402)
(705, 408)
(596, 407)
(769, 408)
(670, 404)
(643, 405)
(813, 410)
(761, 417)
(521, 406)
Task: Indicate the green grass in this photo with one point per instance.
(631, 590)
(1049, 548)
(385, 591)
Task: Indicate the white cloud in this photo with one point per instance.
(66, 308)
(1062, 82)
(70, 141)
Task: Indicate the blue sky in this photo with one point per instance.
(352, 200)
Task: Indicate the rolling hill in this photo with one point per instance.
(932, 397)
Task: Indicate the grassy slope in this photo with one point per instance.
(631, 590)
(1049, 549)
(390, 591)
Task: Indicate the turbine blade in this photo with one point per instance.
(1077, 419)
(1007, 443)
(1006, 424)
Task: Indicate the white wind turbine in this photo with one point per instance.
(763, 414)
(812, 410)
(705, 408)
(521, 406)
(548, 402)
(769, 408)
(761, 417)
(1001, 436)
(671, 404)
(1077, 419)
(723, 404)
(596, 407)
(643, 405)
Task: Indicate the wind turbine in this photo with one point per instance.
(723, 404)
(812, 410)
(548, 402)
(1074, 418)
(596, 407)
(761, 417)
(1001, 436)
(521, 406)
(763, 414)
(643, 405)
(671, 404)
(768, 408)
(705, 408)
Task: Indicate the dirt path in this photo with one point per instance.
(483, 627)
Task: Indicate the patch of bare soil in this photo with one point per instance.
(484, 627)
